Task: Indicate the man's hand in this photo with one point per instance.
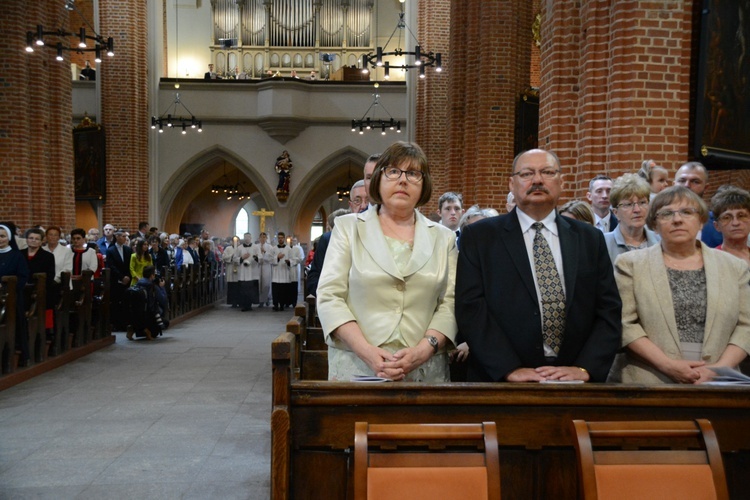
(563, 373)
(524, 375)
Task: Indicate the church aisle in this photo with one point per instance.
(186, 416)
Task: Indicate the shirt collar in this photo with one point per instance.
(525, 221)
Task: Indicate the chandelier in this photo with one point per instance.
(374, 123)
(224, 188)
(62, 38)
(398, 57)
(171, 119)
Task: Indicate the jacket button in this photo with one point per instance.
(400, 287)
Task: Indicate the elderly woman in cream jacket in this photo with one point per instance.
(386, 292)
(685, 306)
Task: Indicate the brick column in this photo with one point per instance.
(490, 48)
(36, 141)
(124, 91)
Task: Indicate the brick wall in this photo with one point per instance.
(124, 90)
(36, 142)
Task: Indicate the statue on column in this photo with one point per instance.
(284, 169)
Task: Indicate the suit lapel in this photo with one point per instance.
(710, 268)
(660, 280)
(569, 250)
(425, 238)
(516, 247)
(373, 241)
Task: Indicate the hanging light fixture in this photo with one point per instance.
(374, 123)
(59, 40)
(389, 58)
(172, 119)
(344, 191)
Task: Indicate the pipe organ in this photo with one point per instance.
(281, 36)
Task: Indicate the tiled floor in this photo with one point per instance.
(185, 416)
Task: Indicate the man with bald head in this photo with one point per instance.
(536, 297)
(694, 176)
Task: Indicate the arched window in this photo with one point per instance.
(241, 223)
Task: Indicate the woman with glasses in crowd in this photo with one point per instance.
(386, 291)
(629, 198)
(731, 209)
(685, 306)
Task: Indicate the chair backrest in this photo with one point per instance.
(649, 460)
(426, 461)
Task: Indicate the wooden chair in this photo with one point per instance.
(649, 460)
(445, 461)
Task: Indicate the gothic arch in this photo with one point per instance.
(187, 181)
(320, 183)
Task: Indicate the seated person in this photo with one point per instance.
(146, 320)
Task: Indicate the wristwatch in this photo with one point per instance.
(433, 341)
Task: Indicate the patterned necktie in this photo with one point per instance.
(550, 287)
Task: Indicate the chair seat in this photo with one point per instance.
(654, 482)
(427, 483)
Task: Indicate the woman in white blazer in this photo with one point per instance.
(685, 306)
(386, 291)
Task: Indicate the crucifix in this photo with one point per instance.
(263, 213)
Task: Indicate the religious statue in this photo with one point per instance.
(284, 169)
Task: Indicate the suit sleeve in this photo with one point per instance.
(490, 347)
(317, 264)
(605, 336)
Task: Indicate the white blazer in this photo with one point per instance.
(360, 281)
(648, 311)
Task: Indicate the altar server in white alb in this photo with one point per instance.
(232, 270)
(247, 257)
(265, 257)
(284, 288)
(299, 255)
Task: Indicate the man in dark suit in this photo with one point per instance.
(118, 262)
(598, 194)
(497, 294)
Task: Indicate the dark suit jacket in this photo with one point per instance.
(311, 287)
(612, 220)
(118, 268)
(497, 308)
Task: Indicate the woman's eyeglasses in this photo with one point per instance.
(394, 174)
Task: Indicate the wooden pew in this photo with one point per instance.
(310, 357)
(312, 425)
(62, 316)
(100, 307)
(35, 300)
(7, 323)
(80, 310)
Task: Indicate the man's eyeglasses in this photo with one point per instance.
(685, 213)
(528, 174)
(727, 219)
(356, 201)
(394, 174)
(628, 205)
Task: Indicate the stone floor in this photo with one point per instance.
(185, 416)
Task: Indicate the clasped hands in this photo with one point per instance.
(551, 373)
(397, 365)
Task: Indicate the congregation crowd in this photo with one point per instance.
(642, 282)
(256, 272)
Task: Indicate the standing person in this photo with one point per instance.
(386, 306)
(630, 198)
(41, 261)
(358, 200)
(300, 258)
(694, 176)
(320, 254)
(92, 236)
(656, 176)
(108, 239)
(63, 255)
(12, 263)
(84, 258)
(265, 257)
(159, 257)
(450, 210)
(248, 259)
(88, 73)
(232, 269)
(367, 171)
(685, 306)
(598, 194)
(731, 209)
(118, 263)
(283, 289)
(143, 232)
(211, 74)
(139, 260)
(538, 296)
